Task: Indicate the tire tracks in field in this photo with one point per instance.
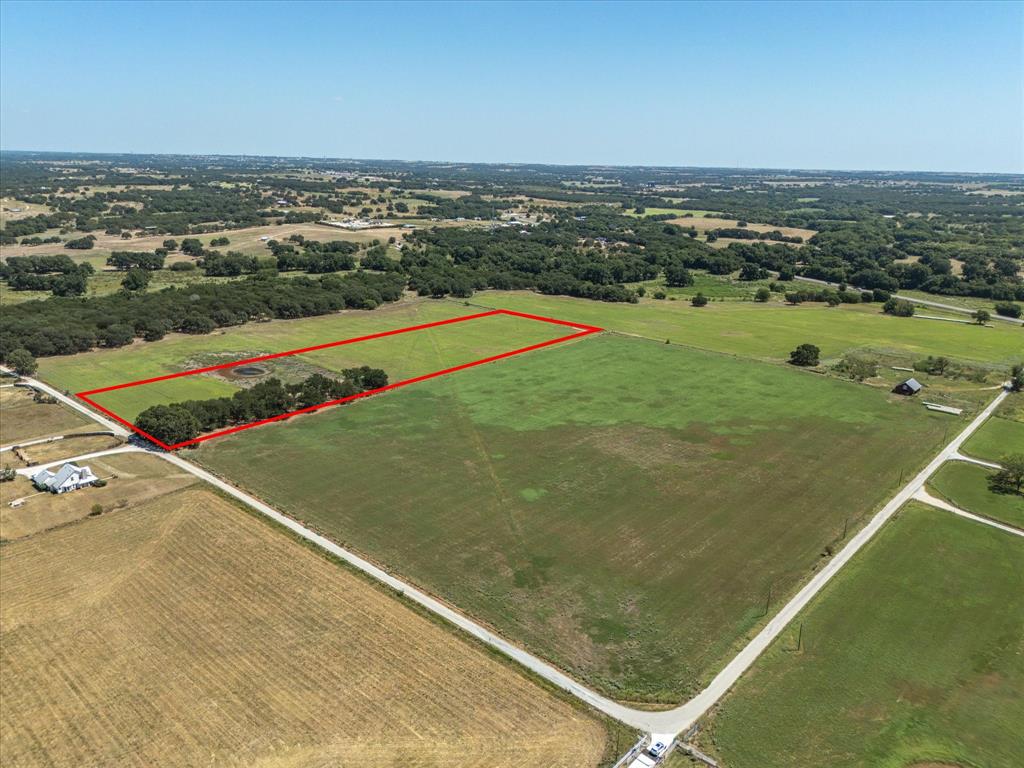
(480, 447)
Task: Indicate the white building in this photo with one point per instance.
(70, 477)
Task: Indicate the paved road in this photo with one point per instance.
(672, 721)
(927, 498)
(923, 302)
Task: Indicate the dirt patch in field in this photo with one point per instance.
(187, 632)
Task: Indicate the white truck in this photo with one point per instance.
(651, 756)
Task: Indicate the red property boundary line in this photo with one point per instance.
(581, 331)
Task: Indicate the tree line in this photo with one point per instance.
(184, 421)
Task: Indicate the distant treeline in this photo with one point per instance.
(61, 326)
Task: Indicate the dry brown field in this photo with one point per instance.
(132, 479)
(43, 453)
(186, 632)
(21, 418)
(702, 225)
(243, 240)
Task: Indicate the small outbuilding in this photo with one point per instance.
(70, 477)
(908, 387)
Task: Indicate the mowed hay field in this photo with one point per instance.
(620, 506)
(402, 356)
(186, 632)
(23, 419)
(771, 331)
(913, 656)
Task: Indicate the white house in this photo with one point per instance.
(70, 477)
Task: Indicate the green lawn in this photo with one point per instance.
(618, 505)
(966, 486)
(996, 438)
(403, 356)
(772, 331)
(913, 656)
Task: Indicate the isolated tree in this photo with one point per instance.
(1017, 377)
(171, 245)
(762, 294)
(805, 355)
(22, 362)
(699, 300)
(794, 297)
(136, 279)
(981, 316)
(898, 308)
(1009, 309)
(1009, 479)
(168, 423)
(677, 276)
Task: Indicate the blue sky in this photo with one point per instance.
(916, 86)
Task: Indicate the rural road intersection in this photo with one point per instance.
(663, 725)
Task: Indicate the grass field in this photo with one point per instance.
(618, 505)
(43, 453)
(996, 438)
(912, 657)
(186, 632)
(23, 419)
(132, 479)
(712, 286)
(402, 356)
(743, 328)
(966, 486)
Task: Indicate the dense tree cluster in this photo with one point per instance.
(57, 274)
(184, 421)
(124, 260)
(66, 326)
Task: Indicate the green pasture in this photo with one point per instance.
(966, 486)
(911, 657)
(996, 438)
(725, 287)
(403, 355)
(620, 506)
(772, 331)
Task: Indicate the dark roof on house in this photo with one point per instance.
(912, 384)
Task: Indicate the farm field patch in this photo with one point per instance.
(743, 328)
(704, 224)
(405, 353)
(911, 657)
(187, 632)
(966, 486)
(584, 499)
(70, 446)
(132, 478)
(996, 438)
(22, 419)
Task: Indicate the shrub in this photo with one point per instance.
(805, 355)
(1009, 309)
(699, 300)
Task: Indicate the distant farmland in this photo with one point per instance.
(186, 632)
(622, 507)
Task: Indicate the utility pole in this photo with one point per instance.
(846, 525)
(800, 637)
(768, 601)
